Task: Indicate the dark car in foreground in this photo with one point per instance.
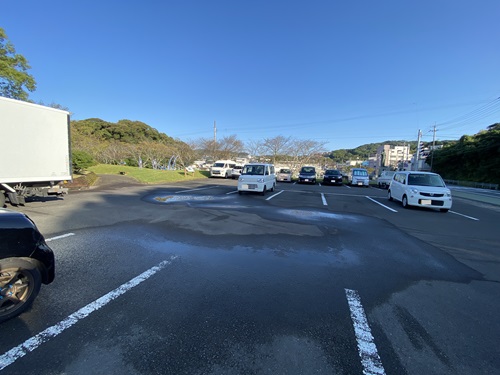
(26, 262)
(307, 175)
(332, 177)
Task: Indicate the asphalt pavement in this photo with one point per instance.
(192, 278)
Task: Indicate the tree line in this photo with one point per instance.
(471, 158)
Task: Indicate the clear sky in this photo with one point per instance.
(343, 72)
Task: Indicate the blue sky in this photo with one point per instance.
(341, 72)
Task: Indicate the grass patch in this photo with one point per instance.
(146, 175)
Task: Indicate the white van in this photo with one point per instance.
(257, 177)
(359, 177)
(222, 168)
(421, 189)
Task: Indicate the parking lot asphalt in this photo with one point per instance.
(192, 278)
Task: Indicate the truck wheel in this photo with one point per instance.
(20, 282)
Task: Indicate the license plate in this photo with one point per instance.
(306, 179)
(425, 201)
(360, 183)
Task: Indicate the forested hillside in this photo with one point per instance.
(472, 158)
(365, 151)
(126, 142)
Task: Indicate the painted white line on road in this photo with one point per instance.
(34, 342)
(383, 205)
(59, 237)
(468, 217)
(204, 188)
(370, 360)
(274, 195)
(324, 199)
(347, 186)
(232, 192)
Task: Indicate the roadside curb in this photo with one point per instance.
(476, 197)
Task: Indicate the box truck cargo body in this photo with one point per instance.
(35, 155)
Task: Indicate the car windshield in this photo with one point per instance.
(285, 171)
(425, 180)
(308, 170)
(332, 171)
(359, 172)
(219, 165)
(253, 170)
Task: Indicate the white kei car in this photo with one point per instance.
(422, 189)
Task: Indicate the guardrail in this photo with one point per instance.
(481, 185)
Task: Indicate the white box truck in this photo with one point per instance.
(35, 154)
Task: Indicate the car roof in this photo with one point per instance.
(419, 172)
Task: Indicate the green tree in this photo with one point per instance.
(14, 78)
(81, 160)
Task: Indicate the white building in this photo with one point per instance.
(389, 156)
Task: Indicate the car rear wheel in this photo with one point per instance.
(389, 196)
(20, 282)
(444, 209)
(263, 192)
(404, 201)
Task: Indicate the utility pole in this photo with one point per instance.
(417, 158)
(433, 145)
(215, 132)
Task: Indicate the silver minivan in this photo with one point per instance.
(359, 177)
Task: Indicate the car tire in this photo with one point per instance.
(404, 201)
(20, 278)
(272, 189)
(389, 196)
(263, 192)
(444, 209)
(240, 192)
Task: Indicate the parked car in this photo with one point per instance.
(284, 175)
(385, 178)
(332, 177)
(257, 177)
(307, 175)
(26, 261)
(359, 177)
(222, 168)
(236, 171)
(422, 189)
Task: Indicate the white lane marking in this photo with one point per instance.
(59, 237)
(272, 196)
(347, 186)
(370, 360)
(468, 217)
(324, 199)
(232, 192)
(383, 205)
(204, 188)
(34, 342)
